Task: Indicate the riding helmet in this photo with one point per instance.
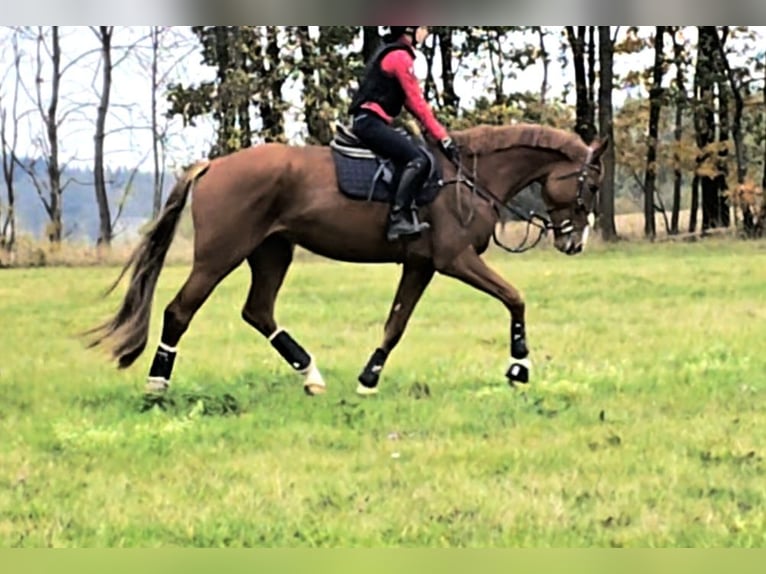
(397, 31)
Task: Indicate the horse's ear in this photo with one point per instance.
(599, 145)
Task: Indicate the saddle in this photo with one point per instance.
(365, 176)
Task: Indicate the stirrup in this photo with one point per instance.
(416, 220)
(403, 227)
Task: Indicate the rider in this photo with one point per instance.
(388, 85)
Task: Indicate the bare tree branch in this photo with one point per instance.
(128, 188)
(38, 185)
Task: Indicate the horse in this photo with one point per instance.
(257, 204)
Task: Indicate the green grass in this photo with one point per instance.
(644, 425)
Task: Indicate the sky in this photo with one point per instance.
(128, 142)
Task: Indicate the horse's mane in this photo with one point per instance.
(486, 139)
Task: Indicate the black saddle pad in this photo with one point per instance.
(375, 179)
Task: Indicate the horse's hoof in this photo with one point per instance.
(156, 386)
(363, 391)
(315, 390)
(518, 371)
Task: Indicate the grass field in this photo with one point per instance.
(644, 426)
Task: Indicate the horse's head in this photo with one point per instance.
(570, 194)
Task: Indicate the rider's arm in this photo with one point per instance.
(400, 65)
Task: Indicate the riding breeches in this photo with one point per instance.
(385, 141)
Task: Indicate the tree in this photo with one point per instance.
(585, 125)
(445, 41)
(9, 132)
(446, 38)
(252, 65)
(371, 41)
(721, 212)
(680, 60)
(763, 119)
(269, 83)
(319, 128)
(546, 61)
(655, 107)
(49, 191)
(159, 54)
(606, 129)
(158, 135)
(104, 35)
(226, 97)
(734, 79)
(110, 57)
(707, 177)
(49, 68)
(325, 72)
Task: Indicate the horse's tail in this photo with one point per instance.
(129, 328)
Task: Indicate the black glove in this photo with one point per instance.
(450, 149)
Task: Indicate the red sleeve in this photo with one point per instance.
(400, 65)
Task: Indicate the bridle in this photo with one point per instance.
(541, 221)
(567, 225)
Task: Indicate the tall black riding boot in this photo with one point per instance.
(399, 223)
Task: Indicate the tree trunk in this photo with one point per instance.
(56, 227)
(271, 91)
(546, 64)
(722, 212)
(8, 229)
(592, 79)
(606, 129)
(428, 49)
(327, 47)
(224, 113)
(446, 47)
(763, 179)
(371, 41)
(678, 134)
(655, 107)
(584, 126)
(99, 183)
(242, 104)
(739, 104)
(695, 204)
(9, 145)
(157, 195)
(705, 125)
(48, 191)
(308, 72)
(496, 57)
(319, 129)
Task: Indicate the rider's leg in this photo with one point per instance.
(385, 141)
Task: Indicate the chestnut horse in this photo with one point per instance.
(257, 204)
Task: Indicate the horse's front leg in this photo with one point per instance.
(469, 268)
(415, 278)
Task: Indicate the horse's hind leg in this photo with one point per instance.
(268, 265)
(415, 278)
(179, 313)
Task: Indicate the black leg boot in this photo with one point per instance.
(400, 224)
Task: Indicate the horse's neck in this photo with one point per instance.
(522, 166)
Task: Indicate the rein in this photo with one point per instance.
(532, 218)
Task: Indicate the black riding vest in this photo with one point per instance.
(380, 88)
